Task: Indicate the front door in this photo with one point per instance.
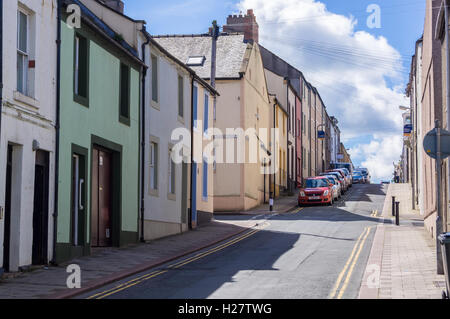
(7, 230)
(40, 209)
(101, 230)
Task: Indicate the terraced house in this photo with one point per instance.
(98, 202)
(27, 143)
(243, 104)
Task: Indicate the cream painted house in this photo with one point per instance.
(279, 118)
(243, 104)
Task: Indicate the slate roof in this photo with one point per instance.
(231, 51)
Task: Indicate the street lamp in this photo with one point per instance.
(404, 108)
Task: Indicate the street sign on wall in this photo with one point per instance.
(430, 143)
(407, 130)
(321, 135)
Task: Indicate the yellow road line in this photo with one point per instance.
(174, 266)
(341, 275)
(350, 272)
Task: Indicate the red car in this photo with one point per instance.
(318, 190)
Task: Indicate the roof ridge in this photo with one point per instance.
(198, 35)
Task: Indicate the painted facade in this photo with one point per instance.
(27, 144)
(98, 202)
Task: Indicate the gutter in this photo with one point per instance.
(58, 107)
(144, 75)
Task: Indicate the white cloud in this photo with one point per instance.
(379, 155)
(359, 75)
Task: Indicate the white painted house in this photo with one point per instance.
(27, 144)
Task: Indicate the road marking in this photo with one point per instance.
(179, 264)
(374, 213)
(341, 275)
(350, 272)
(189, 260)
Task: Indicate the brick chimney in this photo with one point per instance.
(116, 5)
(246, 24)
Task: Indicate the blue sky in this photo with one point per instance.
(402, 21)
(401, 25)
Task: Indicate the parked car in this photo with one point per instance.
(349, 175)
(336, 182)
(348, 166)
(365, 173)
(341, 179)
(345, 176)
(337, 189)
(358, 178)
(317, 190)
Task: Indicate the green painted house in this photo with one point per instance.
(98, 175)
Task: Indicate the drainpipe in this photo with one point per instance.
(58, 106)
(274, 154)
(144, 75)
(448, 96)
(288, 171)
(192, 151)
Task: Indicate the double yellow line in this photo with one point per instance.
(179, 264)
(341, 284)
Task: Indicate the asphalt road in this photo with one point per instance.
(316, 253)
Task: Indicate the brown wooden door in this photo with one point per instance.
(101, 229)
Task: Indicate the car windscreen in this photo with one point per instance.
(338, 176)
(316, 183)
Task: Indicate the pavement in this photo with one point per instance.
(112, 264)
(402, 263)
(307, 253)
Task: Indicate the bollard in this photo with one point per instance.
(397, 213)
(393, 205)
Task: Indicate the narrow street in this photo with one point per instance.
(314, 253)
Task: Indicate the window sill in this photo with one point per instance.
(124, 120)
(154, 193)
(155, 105)
(81, 100)
(172, 197)
(29, 101)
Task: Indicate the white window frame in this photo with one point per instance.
(154, 167)
(24, 55)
